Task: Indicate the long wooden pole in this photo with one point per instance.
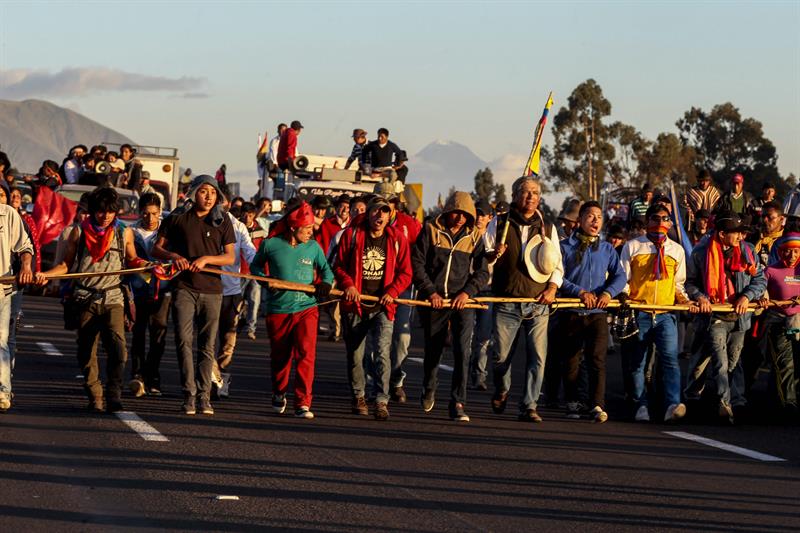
(79, 275)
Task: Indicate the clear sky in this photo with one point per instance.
(206, 77)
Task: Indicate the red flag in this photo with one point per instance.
(52, 213)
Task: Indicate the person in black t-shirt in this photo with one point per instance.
(385, 158)
(372, 259)
(198, 237)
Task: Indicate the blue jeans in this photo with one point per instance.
(401, 339)
(508, 319)
(480, 344)
(661, 330)
(723, 347)
(251, 291)
(5, 352)
(356, 331)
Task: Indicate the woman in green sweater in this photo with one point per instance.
(291, 254)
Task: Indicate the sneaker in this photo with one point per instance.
(154, 391)
(224, 391)
(114, 406)
(303, 412)
(360, 406)
(529, 415)
(381, 411)
(279, 403)
(675, 412)
(598, 415)
(136, 385)
(499, 401)
(189, 406)
(399, 395)
(457, 413)
(642, 414)
(251, 335)
(428, 401)
(205, 406)
(5, 402)
(574, 410)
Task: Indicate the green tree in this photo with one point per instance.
(727, 144)
(582, 152)
(630, 147)
(668, 159)
(486, 188)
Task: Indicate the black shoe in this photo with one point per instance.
(499, 401)
(279, 403)
(114, 406)
(427, 401)
(205, 406)
(154, 391)
(481, 386)
(457, 413)
(96, 406)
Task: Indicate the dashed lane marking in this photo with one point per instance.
(145, 430)
(49, 349)
(420, 360)
(725, 446)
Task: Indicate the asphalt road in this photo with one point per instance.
(65, 470)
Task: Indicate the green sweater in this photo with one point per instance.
(291, 263)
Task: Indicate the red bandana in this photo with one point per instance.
(298, 217)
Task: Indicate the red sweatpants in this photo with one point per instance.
(293, 336)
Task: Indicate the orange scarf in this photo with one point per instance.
(719, 286)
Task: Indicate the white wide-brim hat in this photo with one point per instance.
(541, 258)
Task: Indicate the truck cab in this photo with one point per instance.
(163, 165)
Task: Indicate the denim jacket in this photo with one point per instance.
(599, 271)
(744, 284)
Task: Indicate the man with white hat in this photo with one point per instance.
(528, 265)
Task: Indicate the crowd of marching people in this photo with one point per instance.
(492, 282)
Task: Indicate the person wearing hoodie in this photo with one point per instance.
(449, 263)
(198, 236)
(372, 259)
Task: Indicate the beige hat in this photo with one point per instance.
(541, 258)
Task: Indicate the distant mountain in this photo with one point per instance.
(441, 165)
(33, 130)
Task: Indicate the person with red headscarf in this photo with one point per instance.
(290, 253)
(783, 323)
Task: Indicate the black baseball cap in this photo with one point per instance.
(296, 125)
(482, 207)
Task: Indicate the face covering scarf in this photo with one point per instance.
(657, 234)
(98, 240)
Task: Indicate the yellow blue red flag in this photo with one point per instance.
(532, 168)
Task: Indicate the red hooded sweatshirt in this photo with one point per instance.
(348, 265)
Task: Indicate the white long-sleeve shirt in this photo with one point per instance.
(13, 239)
(243, 247)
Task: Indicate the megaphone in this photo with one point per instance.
(103, 167)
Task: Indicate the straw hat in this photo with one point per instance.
(541, 258)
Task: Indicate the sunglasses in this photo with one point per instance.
(383, 209)
(659, 218)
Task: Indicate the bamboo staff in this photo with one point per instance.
(301, 287)
(80, 275)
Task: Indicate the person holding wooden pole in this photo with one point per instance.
(449, 263)
(593, 273)
(291, 253)
(655, 266)
(373, 259)
(528, 265)
(723, 269)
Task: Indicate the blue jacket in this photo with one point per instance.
(743, 283)
(599, 271)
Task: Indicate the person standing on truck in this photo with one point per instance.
(287, 148)
(360, 139)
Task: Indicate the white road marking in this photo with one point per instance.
(724, 446)
(420, 360)
(49, 349)
(145, 430)
(226, 497)
(29, 326)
